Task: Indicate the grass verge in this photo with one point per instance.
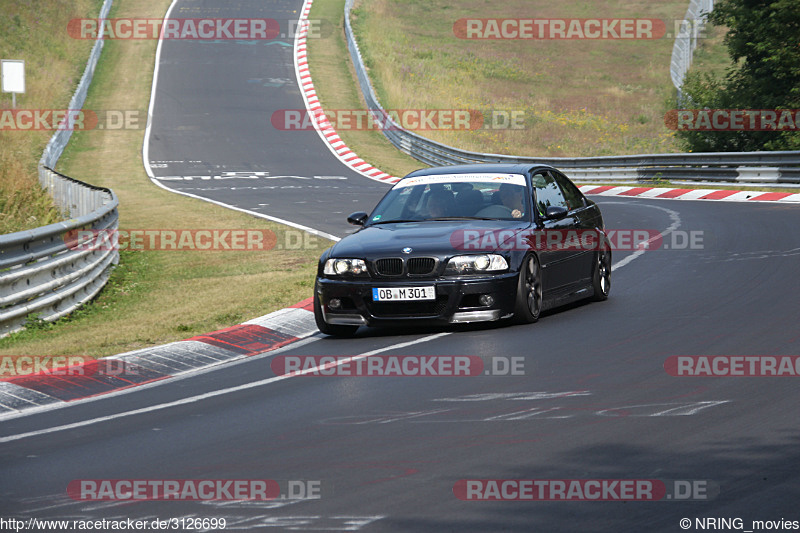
(36, 33)
(579, 97)
(155, 297)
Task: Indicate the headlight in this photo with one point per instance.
(475, 264)
(343, 267)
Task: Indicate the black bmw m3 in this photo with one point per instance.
(465, 243)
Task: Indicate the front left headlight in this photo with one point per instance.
(344, 267)
(475, 264)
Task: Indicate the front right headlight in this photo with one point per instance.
(345, 267)
(475, 264)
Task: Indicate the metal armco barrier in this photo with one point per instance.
(39, 273)
(764, 167)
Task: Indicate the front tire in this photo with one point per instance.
(333, 330)
(601, 276)
(529, 291)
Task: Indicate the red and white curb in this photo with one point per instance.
(140, 367)
(317, 114)
(690, 194)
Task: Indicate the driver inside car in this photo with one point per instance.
(440, 204)
(512, 196)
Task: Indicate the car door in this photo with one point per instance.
(584, 216)
(557, 264)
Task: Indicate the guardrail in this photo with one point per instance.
(41, 272)
(765, 167)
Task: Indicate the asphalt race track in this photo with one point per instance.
(212, 128)
(593, 402)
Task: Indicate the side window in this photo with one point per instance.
(547, 192)
(571, 192)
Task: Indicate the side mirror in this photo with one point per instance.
(359, 218)
(555, 212)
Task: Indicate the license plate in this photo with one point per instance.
(404, 294)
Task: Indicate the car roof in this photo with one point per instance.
(505, 168)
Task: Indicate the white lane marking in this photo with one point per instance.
(213, 394)
(398, 346)
(230, 176)
(289, 223)
(525, 414)
(149, 125)
(153, 179)
(303, 522)
(661, 409)
(522, 396)
(532, 413)
(231, 511)
(676, 223)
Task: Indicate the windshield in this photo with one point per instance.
(454, 197)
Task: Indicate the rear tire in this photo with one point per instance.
(601, 276)
(333, 330)
(529, 291)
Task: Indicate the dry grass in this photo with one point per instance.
(54, 62)
(579, 97)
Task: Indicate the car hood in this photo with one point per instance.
(434, 238)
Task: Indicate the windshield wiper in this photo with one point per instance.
(461, 218)
(398, 220)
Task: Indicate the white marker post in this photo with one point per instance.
(13, 76)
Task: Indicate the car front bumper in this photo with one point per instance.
(457, 301)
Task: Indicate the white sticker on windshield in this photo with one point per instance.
(514, 179)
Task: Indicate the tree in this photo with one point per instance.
(763, 41)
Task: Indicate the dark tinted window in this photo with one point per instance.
(571, 193)
(547, 192)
